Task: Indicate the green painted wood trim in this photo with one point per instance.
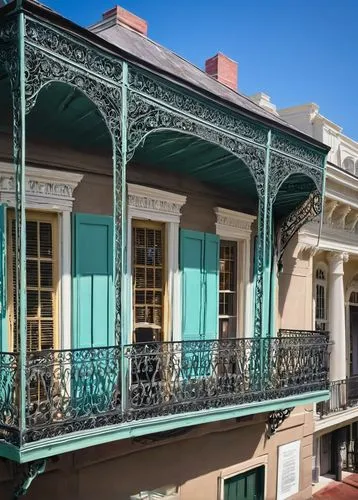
(70, 442)
(10, 452)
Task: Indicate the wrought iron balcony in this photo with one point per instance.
(78, 390)
(343, 395)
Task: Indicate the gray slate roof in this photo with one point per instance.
(164, 59)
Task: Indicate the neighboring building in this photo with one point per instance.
(145, 206)
(332, 258)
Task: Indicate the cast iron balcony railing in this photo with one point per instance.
(75, 390)
(343, 395)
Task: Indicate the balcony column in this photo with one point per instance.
(336, 313)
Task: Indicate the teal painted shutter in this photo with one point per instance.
(93, 317)
(192, 263)
(4, 344)
(247, 486)
(199, 263)
(94, 377)
(211, 270)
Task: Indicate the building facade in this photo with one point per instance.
(146, 207)
(331, 254)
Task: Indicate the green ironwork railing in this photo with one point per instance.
(76, 390)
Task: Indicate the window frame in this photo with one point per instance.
(241, 468)
(237, 227)
(148, 204)
(321, 266)
(35, 216)
(47, 191)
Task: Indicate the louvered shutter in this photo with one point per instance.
(93, 318)
(199, 263)
(41, 263)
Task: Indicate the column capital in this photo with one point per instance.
(336, 261)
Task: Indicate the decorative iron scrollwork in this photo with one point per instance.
(276, 418)
(297, 149)
(184, 102)
(66, 47)
(306, 212)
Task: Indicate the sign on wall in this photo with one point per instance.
(288, 473)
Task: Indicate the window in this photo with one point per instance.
(41, 281)
(353, 298)
(348, 164)
(235, 292)
(228, 289)
(321, 322)
(249, 485)
(148, 279)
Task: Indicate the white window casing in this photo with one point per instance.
(237, 226)
(146, 203)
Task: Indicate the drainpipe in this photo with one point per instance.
(34, 470)
(322, 206)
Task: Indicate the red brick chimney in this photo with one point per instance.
(126, 18)
(223, 69)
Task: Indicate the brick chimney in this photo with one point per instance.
(121, 16)
(223, 69)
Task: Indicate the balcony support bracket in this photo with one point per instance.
(33, 470)
(275, 419)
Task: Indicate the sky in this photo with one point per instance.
(296, 51)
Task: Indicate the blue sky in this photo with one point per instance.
(297, 51)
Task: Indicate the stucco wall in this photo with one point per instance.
(295, 308)
(193, 462)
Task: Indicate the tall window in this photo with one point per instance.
(148, 280)
(228, 290)
(321, 299)
(41, 281)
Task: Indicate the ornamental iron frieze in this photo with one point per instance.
(297, 149)
(282, 167)
(8, 31)
(67, 47)
(161, 91)
(42, 69)
(146, 116)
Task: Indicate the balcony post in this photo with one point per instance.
(336, 313)
(263, 255)
(120, 235)
(19, 130)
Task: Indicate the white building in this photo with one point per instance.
(332, 258)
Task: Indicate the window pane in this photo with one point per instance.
(45, 239)
(228, 289)
(148, 282)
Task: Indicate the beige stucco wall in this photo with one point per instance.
(194, 462)
(295, 308)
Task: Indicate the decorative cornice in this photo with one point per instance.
(339, 215)
(235, 220)
(155, 200)
(44, 188)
